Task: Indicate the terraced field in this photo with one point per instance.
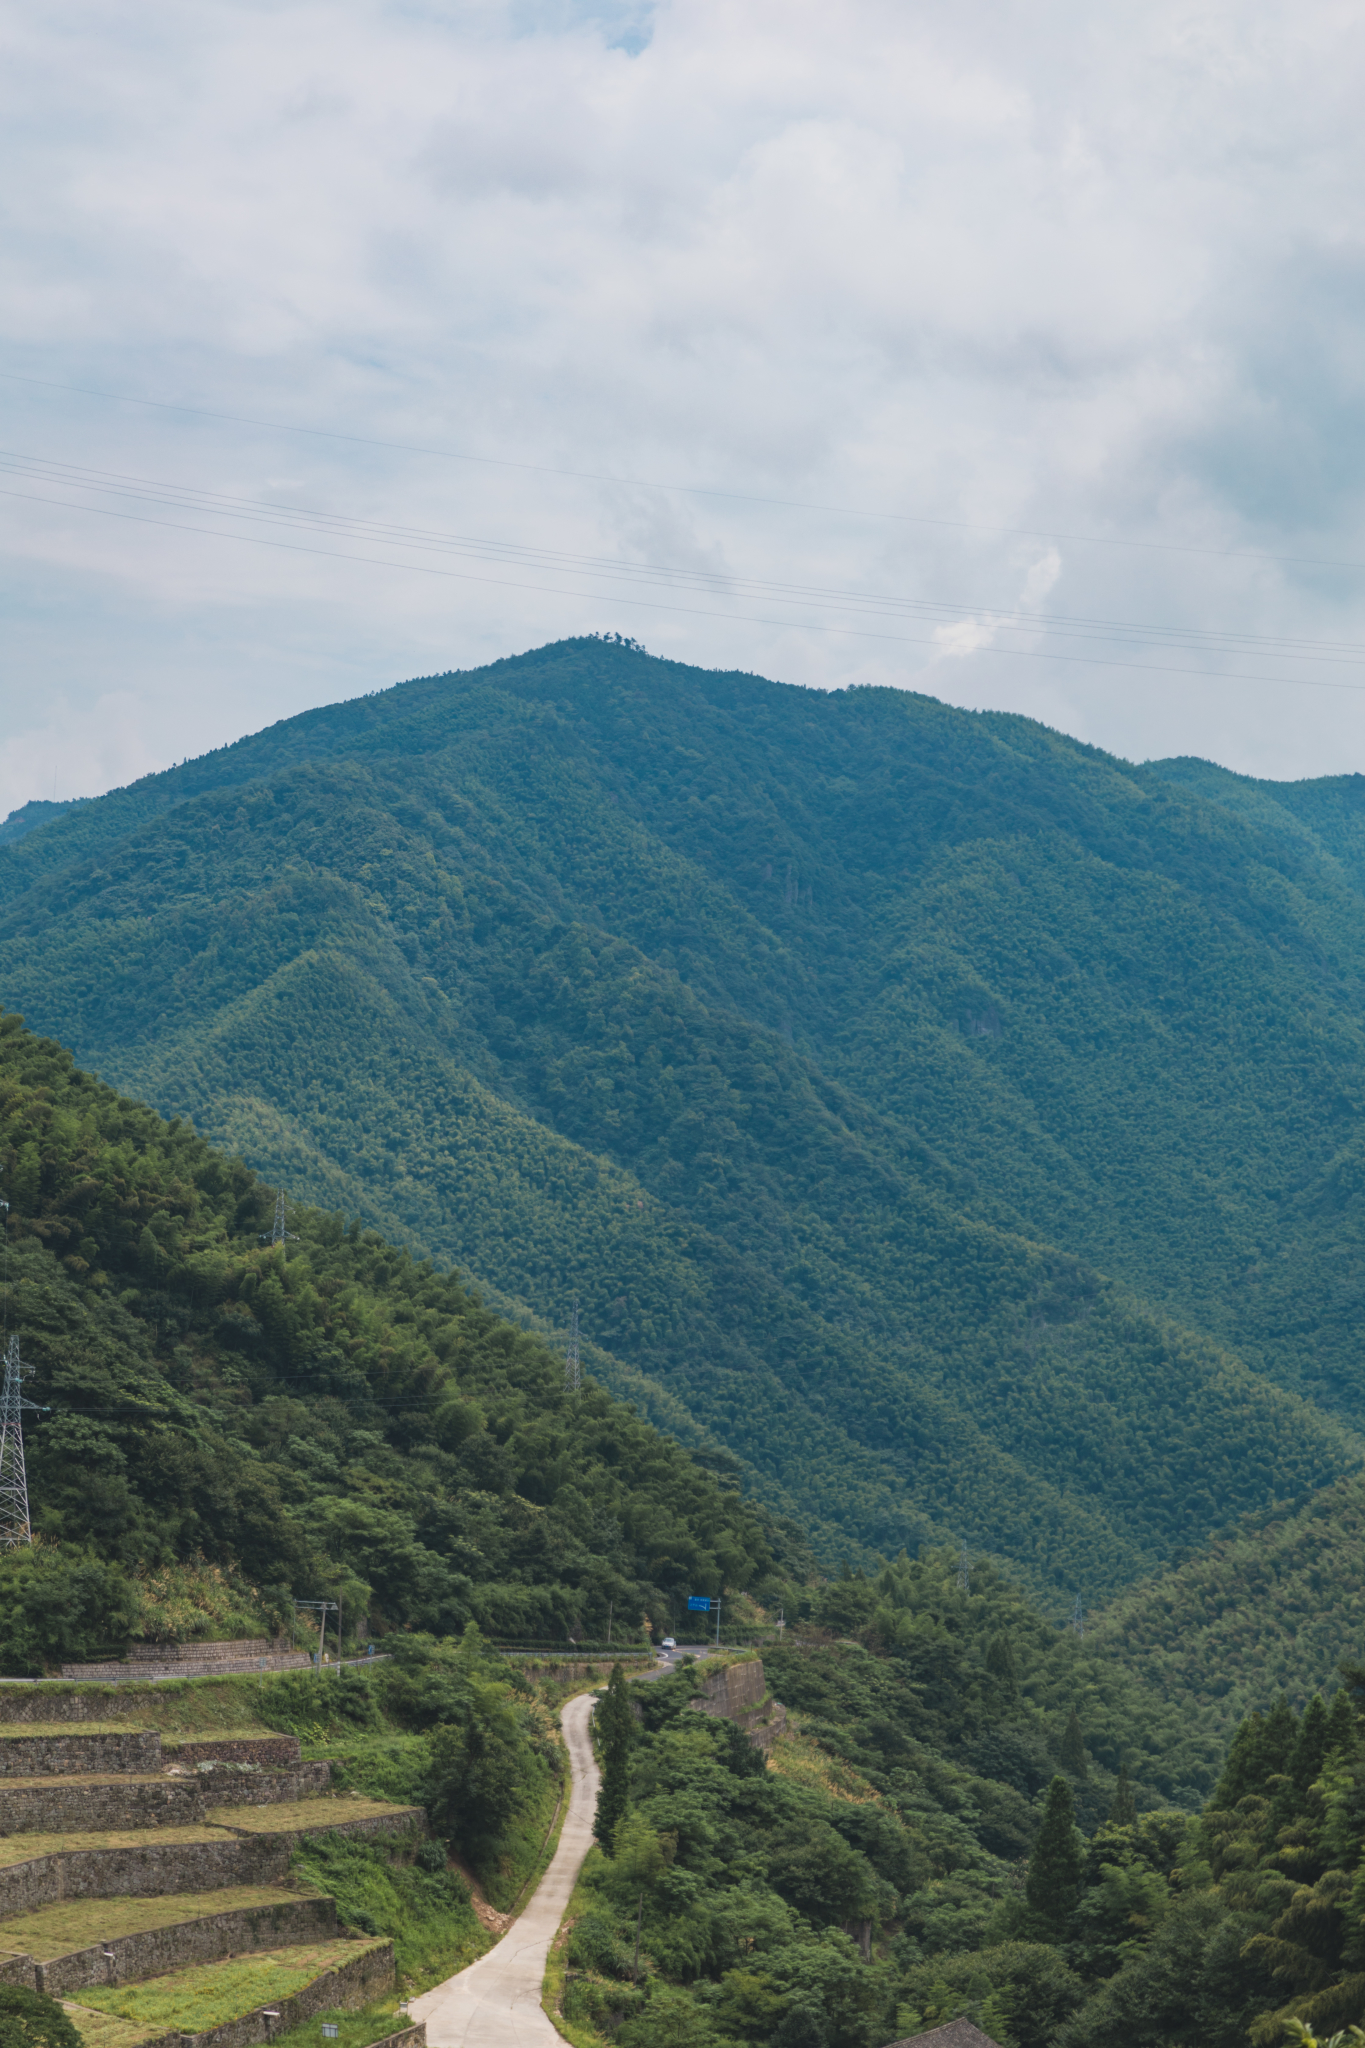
(153, 1911)
(190, 2001)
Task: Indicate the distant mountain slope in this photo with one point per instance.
(1271, 1608)
(834, 1049)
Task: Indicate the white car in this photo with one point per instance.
(668, 1643)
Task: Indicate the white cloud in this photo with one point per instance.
(1092, 275)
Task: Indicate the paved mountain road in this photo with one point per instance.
(495, 2003)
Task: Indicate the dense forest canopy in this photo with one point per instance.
(325, 1417)
(958, 1125)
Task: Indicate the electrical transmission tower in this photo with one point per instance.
(14, 1525)
(278, 1233)
(573, 1371)
(1078, 1617)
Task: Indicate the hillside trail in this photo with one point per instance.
(495, 2003)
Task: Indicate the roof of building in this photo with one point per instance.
(956, 2034)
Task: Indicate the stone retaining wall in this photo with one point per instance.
(72, 1805)
(188, 1667)
(143, 1871)
(271, 1750)
(206, 1940)
(409, 2037)
(31, 1756)
(80, 1806)
(395, 1823)
(740, 1694)
(359, 1982)
(50, 1700)
(20, 1970)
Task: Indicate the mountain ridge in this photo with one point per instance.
(980, 1098)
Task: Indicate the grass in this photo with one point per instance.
(801, 1758)
(580, 2033)
(379, 1887)
(387, 1766)
(102, 2030)
(177, 1706)
(23, 1848)
(80, 1923)
(354, 2029)
(21, 1731)
(210, 1993)
(328, 1810)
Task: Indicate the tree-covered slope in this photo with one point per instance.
(956, 1122)
(321, 1418)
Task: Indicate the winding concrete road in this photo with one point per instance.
(495, 2003)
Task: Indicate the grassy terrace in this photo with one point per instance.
(207, 1995)
(328, 1810)
(24, 1731)
(23, 1848)
(79, 1923)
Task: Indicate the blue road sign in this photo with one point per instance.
(698, 1603)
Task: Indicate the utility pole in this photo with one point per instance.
(610, 1607)
(14, 1522)
(717, 1621)
(323, 1608)
(573, 1371)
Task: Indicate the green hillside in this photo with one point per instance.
(233, 1423)
(957, 1125)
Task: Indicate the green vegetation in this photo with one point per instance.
(919, 1101)
(811, 1903)
(325, 1418)
(29, 2019)
(403, 1891)
(207, 1994)
(78, 1923)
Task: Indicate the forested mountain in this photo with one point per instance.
(232, 1422)
(960, 1125)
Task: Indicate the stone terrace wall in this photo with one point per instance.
(187, 1667)
(356, 1983)
(52, 1701)
(271, 1750)
(68, 1805)
(161, 1949)
(143, 1871)
(29, 1756)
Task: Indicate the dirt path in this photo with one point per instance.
(495, 2003)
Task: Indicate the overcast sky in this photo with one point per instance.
(1009, 353)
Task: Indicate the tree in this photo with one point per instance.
(482, 1768)
(1002, 1667)
(1311, 1745)
(1123, 1811)
(615, 1730)
(1073, 1747)
(1058, 1859)
(30, 2019)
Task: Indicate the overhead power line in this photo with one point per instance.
(635, 483)
(336, 526)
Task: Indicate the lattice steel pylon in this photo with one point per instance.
(278, 1233)
(14, 1523)
(1078, 1617)
(573, 1370)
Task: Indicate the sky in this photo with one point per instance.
(1007, 353)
